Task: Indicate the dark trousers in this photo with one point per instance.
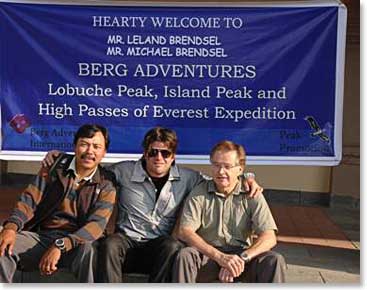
(191, 266)
(29, 248)
(120, 254)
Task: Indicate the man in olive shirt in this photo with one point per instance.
(218, 222)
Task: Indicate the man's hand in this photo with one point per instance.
(50, 158)
(225, 276)
(233, 263)
(251, 185)
(7, 241)
(49, 261)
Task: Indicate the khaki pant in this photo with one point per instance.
(191, 266)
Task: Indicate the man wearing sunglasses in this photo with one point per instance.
(151, 192)
(218, 222)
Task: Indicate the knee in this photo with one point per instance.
(187, 254)
(172, 245)
(112, 245)
(85, 251)
(275, 259)
(86, 248)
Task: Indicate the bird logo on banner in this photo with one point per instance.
(318, 132)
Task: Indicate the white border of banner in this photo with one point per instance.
(251, 160)
(186, 159)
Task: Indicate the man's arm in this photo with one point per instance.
(225, 276)
(7, 241)
(91, 231)
(265, 242)
(250, 185)
(50, 158)
(27, 202)
(97, 220)
(23, 211)
(233, 263)
(263, 224)
(49, 260)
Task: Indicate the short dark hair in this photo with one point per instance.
(89, 130)
(160, 134)
(230, 146)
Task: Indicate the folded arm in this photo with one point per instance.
(233, 263)
(265, 242)
(96, 222)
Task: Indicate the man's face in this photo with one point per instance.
(159, 159)
(89, 152)
(225, 170)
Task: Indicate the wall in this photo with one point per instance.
(342, 180)
(346, 177)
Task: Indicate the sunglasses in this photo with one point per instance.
(164, 152)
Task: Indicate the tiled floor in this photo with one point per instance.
(309, 226)
(320, 245)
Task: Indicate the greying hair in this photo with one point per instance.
(230, 146)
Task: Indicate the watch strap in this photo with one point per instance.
(60, 244)
(245, 257)
(249, 175)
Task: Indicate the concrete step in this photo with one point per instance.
(63, 275)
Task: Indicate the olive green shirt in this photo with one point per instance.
(226, 221)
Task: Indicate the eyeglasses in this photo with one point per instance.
(164, 152)
(227, 167)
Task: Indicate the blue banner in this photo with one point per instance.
(267, 77)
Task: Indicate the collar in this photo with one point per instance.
(72, 168)
(139, 173)
(236, 191)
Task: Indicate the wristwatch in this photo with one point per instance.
(245, 257)
(60, 244)
(249, 175)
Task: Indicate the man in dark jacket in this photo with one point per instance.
(59, 216)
